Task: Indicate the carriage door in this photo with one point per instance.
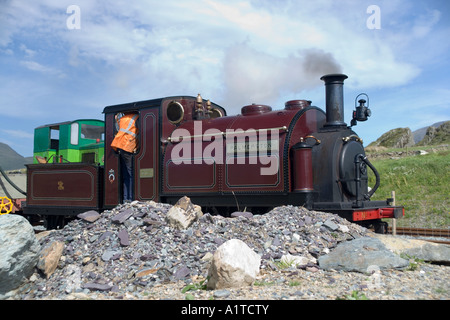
(146, 160)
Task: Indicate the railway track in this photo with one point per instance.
(424, 233)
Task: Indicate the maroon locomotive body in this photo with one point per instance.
(261, 158)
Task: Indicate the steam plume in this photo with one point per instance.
(252, 76)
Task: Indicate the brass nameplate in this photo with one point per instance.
(146, 173)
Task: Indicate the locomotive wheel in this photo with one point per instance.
(381, 227)
(5, 205)
(53, 222)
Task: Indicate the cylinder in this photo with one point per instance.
(302, 167)
(334, 99)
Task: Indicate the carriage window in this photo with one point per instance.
(54, 138)
(92, 132)
(74, 133)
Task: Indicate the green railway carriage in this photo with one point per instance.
(72, 141)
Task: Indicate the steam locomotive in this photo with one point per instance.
(257, 160)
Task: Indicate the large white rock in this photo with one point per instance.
(19, 252)
(234, 264)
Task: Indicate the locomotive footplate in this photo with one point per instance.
(366, 210)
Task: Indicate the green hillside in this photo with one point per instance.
(421, 184)
(435, 136)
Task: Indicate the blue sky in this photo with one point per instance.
(232, 52)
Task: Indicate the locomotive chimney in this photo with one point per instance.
(334, 97)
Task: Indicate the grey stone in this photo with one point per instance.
(181, 273)
(308, 220)
(360, 254)
(245, 214)
(123, 237)
(276, 241)
(90, 216)
(122, 216)
(221, 293)
(414, 248)
(331, 225)
(97, 286)
(104, 236)
(111, 255)
(19, 251)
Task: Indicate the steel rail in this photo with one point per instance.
(423, 232)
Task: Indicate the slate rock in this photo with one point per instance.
(308, 220)
(276, 241)
(331, 225)
(97, 286)
(359, 254)
(90, 216)
(122, 216)
(221, 293)
(104, 236)
(245, 214)
(181, 273)
(124, 238)
(420, 249)
(111, 255)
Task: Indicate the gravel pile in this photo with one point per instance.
(131, 250)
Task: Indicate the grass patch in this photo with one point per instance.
(421, 185)
(413, 262)
(263, 283)
(355, 295)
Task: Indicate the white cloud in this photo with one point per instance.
(424, 24)
(18, 134)
(36, 66)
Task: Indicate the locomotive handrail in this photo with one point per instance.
(312, 137)
(12, 183)
(346, 139)
(368, 195)
(377, 178)
(223, 134)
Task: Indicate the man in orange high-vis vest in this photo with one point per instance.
(125, 143)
